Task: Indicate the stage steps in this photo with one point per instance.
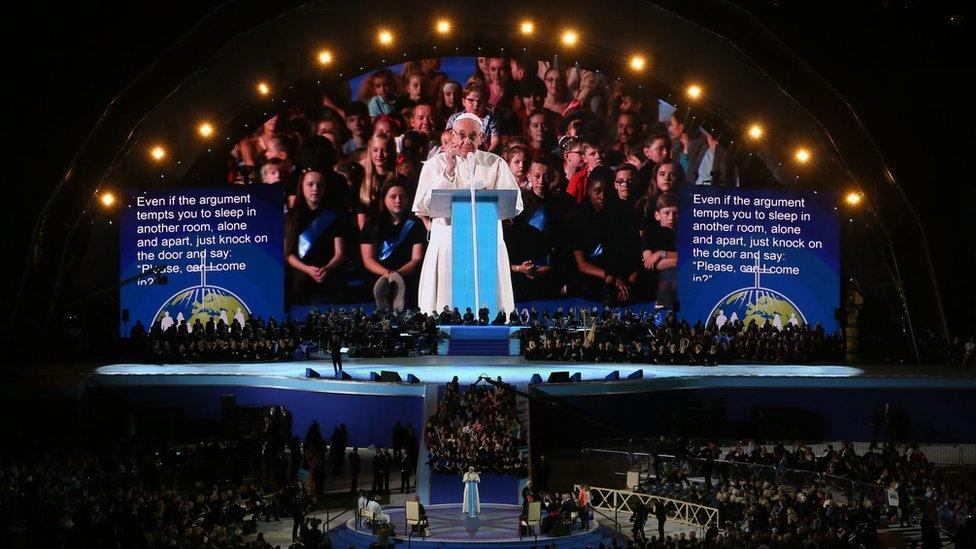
(481, 341)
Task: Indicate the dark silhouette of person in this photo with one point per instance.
(335, 348)
(354, 466)
(661, 513)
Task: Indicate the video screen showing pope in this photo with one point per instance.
(450, 258)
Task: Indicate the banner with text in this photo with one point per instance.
(201, 254)
(762, 256)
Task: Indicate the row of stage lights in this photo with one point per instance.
(568, 38)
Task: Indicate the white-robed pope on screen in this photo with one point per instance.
(458, 167)
(472, 499)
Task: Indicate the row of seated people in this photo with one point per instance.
(252, 339)
(478, 427)
(590, 335)
(639, 339)
(178, 340)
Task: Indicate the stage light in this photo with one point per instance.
(264, 88)
(802, 156)
(570, 38)
(527, 27)
(205, 129)
(385, 37)
(853, 198)
(638, 63)
(443, 26)
(325, 57)
(755, 131)
(107, 199)
(694, 91)
(157, 153)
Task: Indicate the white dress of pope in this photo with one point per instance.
(471, 505)
(490, 172)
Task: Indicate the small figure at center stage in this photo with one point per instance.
(472, 501)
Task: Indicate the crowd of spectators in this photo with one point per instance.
(124, 495)
(592, 335)
(599, 163)
(478, 427)
(638, 338)
(238, 338)
(377, 334)
(843, 506)
(955, 351)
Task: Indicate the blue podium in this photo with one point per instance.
(474, 241)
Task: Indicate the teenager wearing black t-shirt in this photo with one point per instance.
(659, 249)
(605, 248)
(392, 248)
(314, 235)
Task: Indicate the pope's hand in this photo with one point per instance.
(450, 154)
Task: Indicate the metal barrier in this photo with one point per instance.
(682, 512)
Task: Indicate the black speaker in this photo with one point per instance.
(558, 377)
(311, 374)
(125, 315)
(390, 377)
(344, 376)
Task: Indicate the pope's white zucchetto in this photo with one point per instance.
(469, 116)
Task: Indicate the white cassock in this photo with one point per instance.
(471, 481)
(490, 172)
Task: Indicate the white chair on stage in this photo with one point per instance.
(532, 518)
(414, 519)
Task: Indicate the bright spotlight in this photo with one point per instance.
(755, 131)
(443, 26)
(694, 91)
(264, 88)
(325, 57)
(854, 198)
(802, 156)
(205, 129)
(570, 38)
(638, 63)
(107, 199)
(157, 153)
(385, 37)
(527, 27)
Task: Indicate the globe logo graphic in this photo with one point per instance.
(201, 302)
(757, 304)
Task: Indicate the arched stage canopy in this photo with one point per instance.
(211, 74)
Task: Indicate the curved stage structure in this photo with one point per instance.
(440, 370)
(830, 401)
(497, 526)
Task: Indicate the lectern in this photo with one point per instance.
(474, 241)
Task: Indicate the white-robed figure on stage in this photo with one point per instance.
(458, 167)
(472, 500)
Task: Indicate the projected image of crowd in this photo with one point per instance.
(598, 161)
(476, 427)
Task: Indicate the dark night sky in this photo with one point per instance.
(902, 65)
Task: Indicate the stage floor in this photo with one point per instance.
(497, 523)
(440, 369)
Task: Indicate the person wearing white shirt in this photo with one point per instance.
(461, 166)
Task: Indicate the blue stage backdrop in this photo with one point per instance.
(762, 256)
(218, 253)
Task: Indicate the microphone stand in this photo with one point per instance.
(474, 232)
